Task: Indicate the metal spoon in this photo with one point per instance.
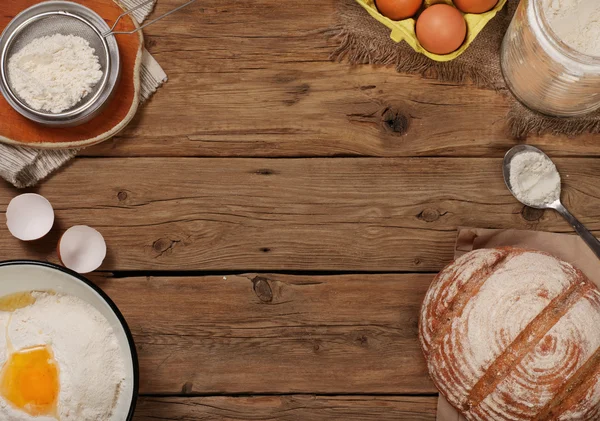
(557, 205)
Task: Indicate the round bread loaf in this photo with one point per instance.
(510, 334)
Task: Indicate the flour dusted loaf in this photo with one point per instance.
(510, 334)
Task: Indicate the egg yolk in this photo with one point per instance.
(29, 381)
(16, 301)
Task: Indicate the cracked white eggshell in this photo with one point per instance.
(82, 249)
(29, 217)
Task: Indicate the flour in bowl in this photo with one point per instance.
(53, 73)
(60, 360)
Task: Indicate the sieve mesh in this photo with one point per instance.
(64, 24)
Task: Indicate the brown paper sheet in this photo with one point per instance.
(567, 247)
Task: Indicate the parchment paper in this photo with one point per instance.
(567, 247)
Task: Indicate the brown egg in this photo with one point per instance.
(398, 9)
(441, 29)
(475, 6)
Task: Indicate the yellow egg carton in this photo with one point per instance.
(404, 30)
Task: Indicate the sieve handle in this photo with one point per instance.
(113, 32)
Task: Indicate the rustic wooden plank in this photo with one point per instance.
(373, 214)
(254, 79)
(273, 333)
(288, 408)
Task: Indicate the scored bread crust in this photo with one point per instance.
(512, 334)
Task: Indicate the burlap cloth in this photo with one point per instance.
(567, 247)
(363, 40)
(25, 167)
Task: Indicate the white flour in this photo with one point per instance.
(534, 179)
(85, 348)
(576, 22)
(54, 73)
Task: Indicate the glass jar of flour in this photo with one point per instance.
(551, 56)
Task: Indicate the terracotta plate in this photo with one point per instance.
(16, 129)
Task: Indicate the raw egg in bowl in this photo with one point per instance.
(66, 352)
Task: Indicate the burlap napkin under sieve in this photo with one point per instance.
(363, 40)
(570, 248)
(25, 167)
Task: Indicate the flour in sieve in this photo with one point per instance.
(92, 371)
(53, 73)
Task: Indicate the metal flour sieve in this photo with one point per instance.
(67, 18)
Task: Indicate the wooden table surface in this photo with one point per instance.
(274, 219)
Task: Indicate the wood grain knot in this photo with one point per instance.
(262, 289)
(150, 41)
(429, 215)
(164, 245)
(413, 322)
(265, 171)
(286, 77)
(532, 214)
(394, 122)
(122, 195)
(297, 92)
(187, 388)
